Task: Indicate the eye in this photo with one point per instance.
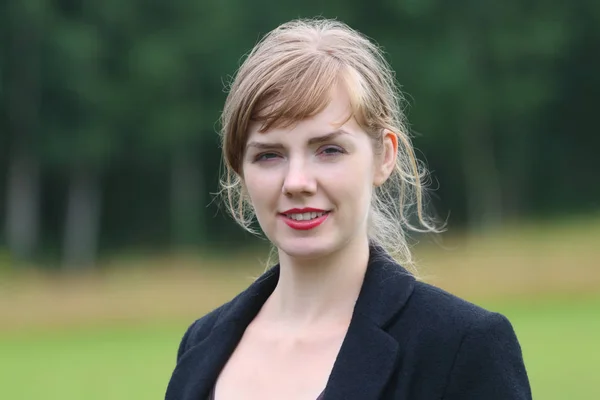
(332, 151)
(266, 156)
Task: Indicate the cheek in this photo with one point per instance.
(352, 183)
(260, 187)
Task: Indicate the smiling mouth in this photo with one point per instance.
(305, 221)
(307, 216)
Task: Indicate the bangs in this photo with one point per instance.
(300, 89)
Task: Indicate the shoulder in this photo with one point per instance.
(485, 359)
(198, 329)
(445, 309)
(201, 328)
(443, 321)
(474, 351)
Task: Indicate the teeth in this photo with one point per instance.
(305, 216)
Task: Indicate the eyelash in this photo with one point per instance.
(260, 157)
(338, 151)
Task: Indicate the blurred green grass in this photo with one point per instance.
(109, 363)
(560, 342)
(559, 337)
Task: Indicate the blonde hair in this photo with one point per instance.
(287, 77)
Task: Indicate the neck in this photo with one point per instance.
(321, 290)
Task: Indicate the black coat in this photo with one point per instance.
(407, 340)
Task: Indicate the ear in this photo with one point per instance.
(387, 158)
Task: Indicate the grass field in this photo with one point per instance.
(559, 339)
(114, 335)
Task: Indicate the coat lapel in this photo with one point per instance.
(364, 364)
(369, 355)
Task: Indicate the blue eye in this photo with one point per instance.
(332, 151)
(266, 156)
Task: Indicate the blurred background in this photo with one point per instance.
(112, 242)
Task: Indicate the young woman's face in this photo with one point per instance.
(311, 184)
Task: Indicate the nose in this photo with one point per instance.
(299, 180)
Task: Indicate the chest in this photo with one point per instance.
(294, 369)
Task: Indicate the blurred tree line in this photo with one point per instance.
(109, 112)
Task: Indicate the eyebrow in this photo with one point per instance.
(315, 140)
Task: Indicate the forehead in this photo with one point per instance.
(336, 114)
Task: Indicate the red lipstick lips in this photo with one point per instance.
(304, 224)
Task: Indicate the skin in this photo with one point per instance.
(290, 347)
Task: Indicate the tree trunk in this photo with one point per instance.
(188, 203)
(483, 192)
(517, 176)
(482, 177)
(23, 95)
(22, 206)
(82, 222)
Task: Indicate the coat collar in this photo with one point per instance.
(366, 359)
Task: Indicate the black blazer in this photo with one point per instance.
(407, 340)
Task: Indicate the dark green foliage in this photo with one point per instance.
(502, 97)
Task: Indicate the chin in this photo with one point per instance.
(306, 249)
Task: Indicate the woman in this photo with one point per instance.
(316, 149)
